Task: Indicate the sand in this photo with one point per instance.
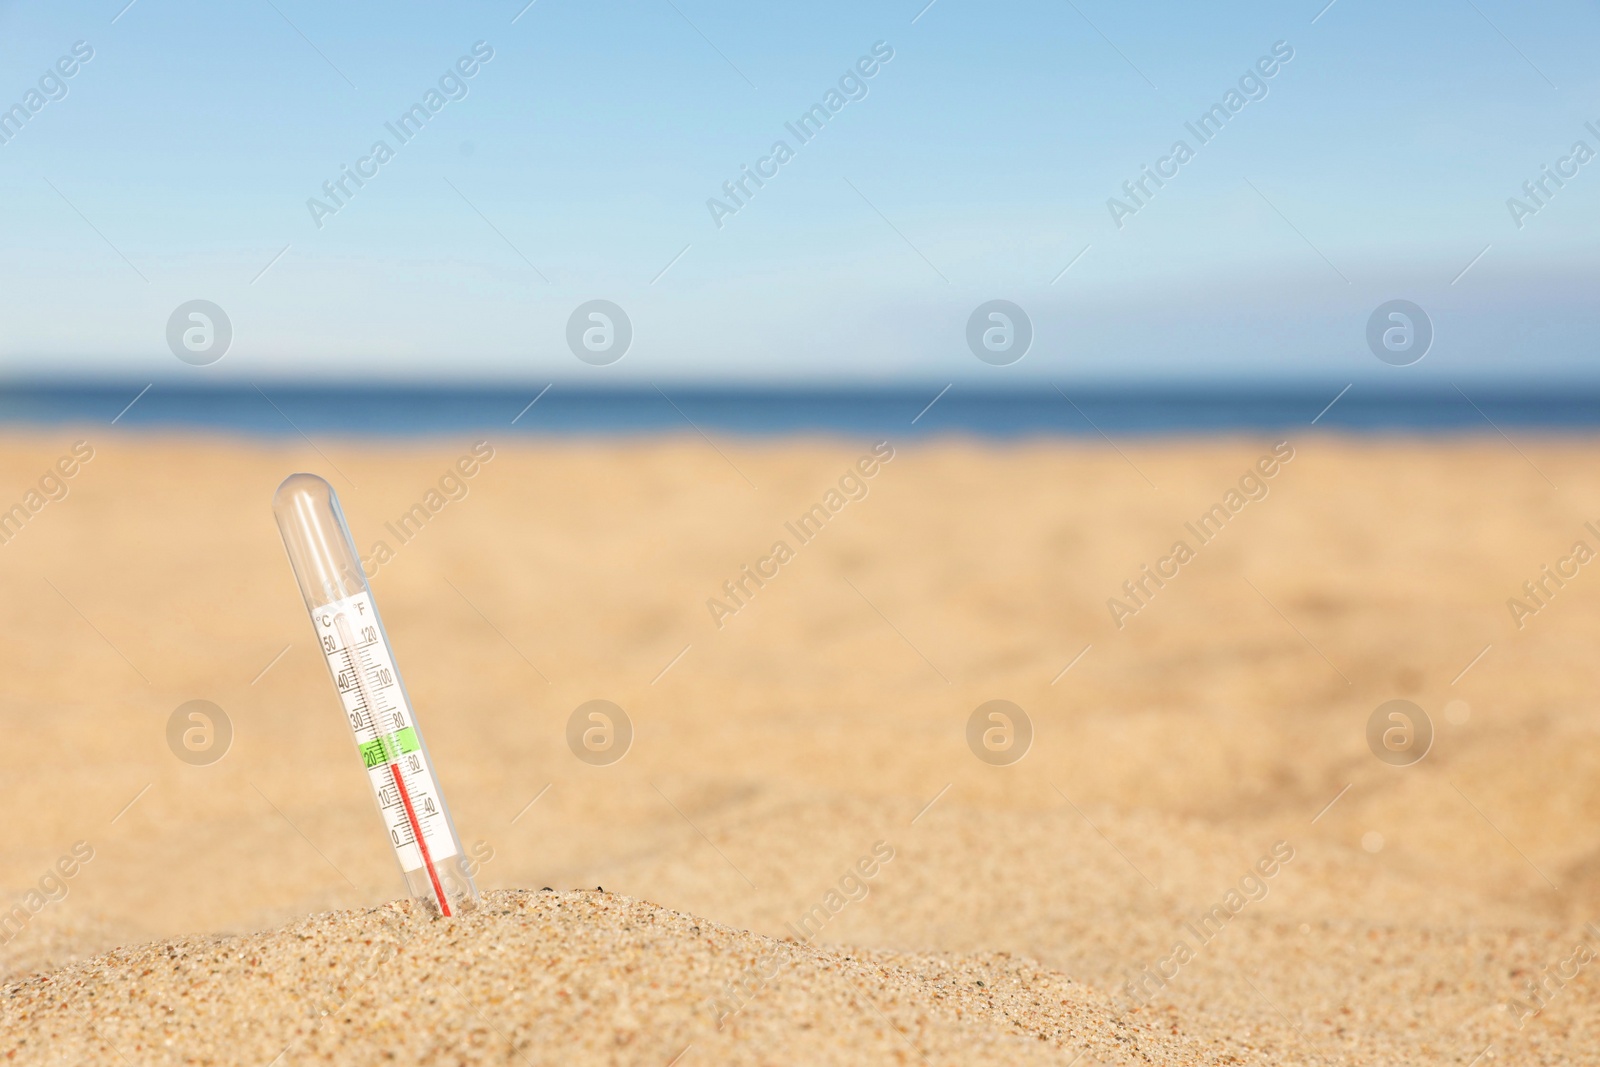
(556, 978)
(1217, 733)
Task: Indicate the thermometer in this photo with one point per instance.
(350, 636)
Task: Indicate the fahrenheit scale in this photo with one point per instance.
(376, 706)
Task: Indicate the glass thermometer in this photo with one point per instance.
(351, 638)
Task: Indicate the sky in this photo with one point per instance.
(984, 158)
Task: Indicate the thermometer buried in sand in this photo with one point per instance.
(351, 637)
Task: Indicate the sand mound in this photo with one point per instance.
(546, 977)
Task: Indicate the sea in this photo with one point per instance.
(565, 410)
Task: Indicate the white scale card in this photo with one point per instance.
(385, 732)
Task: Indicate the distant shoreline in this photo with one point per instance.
(570, 410)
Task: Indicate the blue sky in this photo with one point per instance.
(977, 165)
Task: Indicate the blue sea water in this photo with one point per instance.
(570, 410)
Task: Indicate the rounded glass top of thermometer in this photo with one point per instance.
(351, 638)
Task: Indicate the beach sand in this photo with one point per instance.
(1180, 752)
